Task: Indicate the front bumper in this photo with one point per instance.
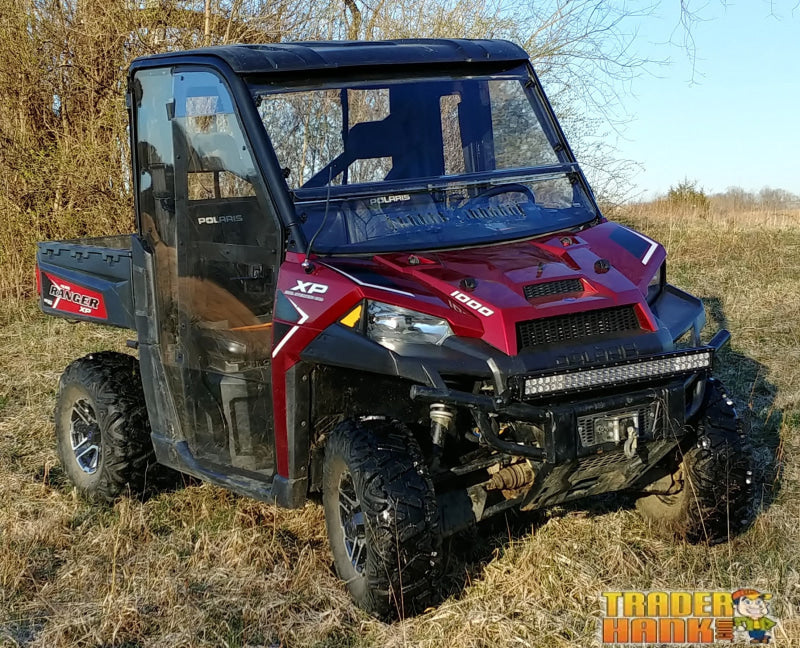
(568, 465)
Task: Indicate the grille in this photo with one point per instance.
(561, 287)
(566, 328)
(646, 416)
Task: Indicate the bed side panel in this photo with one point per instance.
(87, 279)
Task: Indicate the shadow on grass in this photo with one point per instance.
(469, 552)
(745, 379)
(159, 480)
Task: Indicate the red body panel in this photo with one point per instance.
(432, 282)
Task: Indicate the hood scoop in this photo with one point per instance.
(550, 288)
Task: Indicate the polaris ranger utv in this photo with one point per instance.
(375, 271)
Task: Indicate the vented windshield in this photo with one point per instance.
(422, 163)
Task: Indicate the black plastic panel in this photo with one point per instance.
(549, 288)
(87, 279)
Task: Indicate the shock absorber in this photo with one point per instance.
(441, 421)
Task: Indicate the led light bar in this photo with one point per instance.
(652, 368)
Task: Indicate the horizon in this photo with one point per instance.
(715, 102)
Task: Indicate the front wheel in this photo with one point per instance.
(708, 497)
(381, 516)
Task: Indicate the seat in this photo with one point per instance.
(365, 141)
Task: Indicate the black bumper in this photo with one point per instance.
(566, 466)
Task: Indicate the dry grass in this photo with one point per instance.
(201, 567)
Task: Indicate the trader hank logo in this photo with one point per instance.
(687, 617)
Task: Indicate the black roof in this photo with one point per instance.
(326, 55)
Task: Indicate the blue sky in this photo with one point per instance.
(731, 117)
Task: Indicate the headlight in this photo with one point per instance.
(391, 325)
(657, 283)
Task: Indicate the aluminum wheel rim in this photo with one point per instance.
(84, 435)
(351, 520)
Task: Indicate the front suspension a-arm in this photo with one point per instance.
(481, 407)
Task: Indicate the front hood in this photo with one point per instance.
(488, 290)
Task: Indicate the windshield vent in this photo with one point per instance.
(495, 212)
(562, 287)
(566, 328)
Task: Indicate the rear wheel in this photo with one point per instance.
(381, 516)
(708, 498)
(102, 429)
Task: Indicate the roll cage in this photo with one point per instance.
(246, 70)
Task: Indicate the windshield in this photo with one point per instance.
(422, 163)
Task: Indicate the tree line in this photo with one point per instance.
(63, 128)
(63, 132)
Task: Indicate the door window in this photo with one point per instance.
(204, 210)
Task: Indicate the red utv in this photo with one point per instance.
(375, 271)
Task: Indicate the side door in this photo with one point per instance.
(216, 243)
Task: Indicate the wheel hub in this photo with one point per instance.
(84, 433)
(352, 523)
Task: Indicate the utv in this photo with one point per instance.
(375, 271)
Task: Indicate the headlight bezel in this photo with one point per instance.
(392, 326)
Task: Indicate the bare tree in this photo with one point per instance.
(63, 143)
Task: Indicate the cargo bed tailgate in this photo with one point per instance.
(87, 279)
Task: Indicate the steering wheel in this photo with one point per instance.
(497, 190)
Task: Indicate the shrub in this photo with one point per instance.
(687, 195)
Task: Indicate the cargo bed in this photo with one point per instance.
(87, 279)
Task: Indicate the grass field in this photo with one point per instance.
(199, 566)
